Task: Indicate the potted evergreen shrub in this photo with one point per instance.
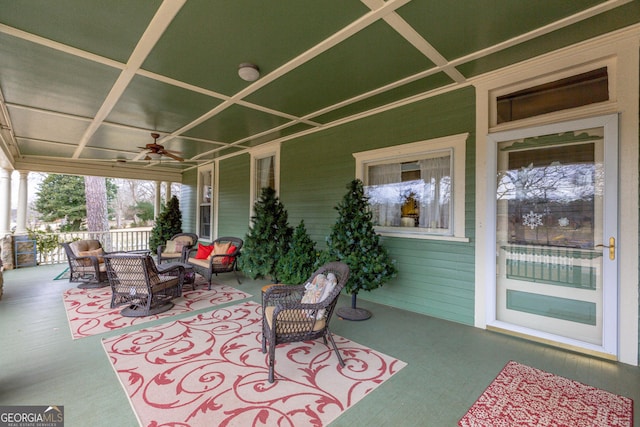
(354, 241)
(168, 224)
(268, 238)
(299, 262)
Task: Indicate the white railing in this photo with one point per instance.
(112, 240)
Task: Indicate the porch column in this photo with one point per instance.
(21, 221)
(167, 190)
(156, 205)
(5, 200)
(6, 240)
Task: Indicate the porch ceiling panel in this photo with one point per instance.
(107, 28)
(38, 148)
(236, 123)
(398, 93)
(458, 29)
(87, 81)
(374, 57)
(209, 39)
(46, 127)
(154, 105)
(36, 76)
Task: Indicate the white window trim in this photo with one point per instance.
(214, 196)
(456, 144)
(260, 152)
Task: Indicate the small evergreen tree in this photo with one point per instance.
(168, 224)
(354, 241)
(268, 238)
(299, 262)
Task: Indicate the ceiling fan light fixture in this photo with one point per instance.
(154, 156)
(248, 72)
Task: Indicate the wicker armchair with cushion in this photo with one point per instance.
(219, 257)
(177, 248)
(303, 312)
(144, 288)
(86, 264)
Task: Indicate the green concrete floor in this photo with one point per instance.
(449, 365)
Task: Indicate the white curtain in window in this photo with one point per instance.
(435, 200)
(263, 173)
(384, 193)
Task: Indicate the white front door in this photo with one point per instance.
(556, 201)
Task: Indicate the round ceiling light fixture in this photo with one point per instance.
(248, 72)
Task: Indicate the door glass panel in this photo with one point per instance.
(549, 220)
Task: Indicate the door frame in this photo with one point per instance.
(609, 123)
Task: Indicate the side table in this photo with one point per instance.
(189, 273)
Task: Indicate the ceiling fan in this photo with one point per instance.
(154, 150)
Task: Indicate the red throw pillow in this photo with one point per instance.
(203, 251)
(228, 259)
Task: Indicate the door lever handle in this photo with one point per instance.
(612, 248)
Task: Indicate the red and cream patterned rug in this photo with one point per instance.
(209, 370)
(524, 396)
(89, 312)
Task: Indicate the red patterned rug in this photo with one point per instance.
(524, 396)
(209, 370)
(89, 312)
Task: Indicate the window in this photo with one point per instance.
(570, 92)
(265, 172)
(265, 169)
(205, 202)
(417, 189)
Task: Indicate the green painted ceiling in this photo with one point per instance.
(89, 80)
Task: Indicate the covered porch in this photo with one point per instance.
(448, 364)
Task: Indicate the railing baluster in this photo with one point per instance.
(121, 240)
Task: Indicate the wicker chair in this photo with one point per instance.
(187, 241)
(223, 263)
(287, 319)
(86, 263)
(144, 288)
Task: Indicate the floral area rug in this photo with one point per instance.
(209, 370)
(89, 312)
(525, 396)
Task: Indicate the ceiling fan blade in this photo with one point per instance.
(171, 151)
(173, 156)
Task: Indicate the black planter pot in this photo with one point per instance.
(353, 313)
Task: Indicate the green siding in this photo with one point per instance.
(435, 277)
(233, 196)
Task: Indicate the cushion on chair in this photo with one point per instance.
(229, 259)
(219, 249)
(164, 282)
(170, 247)
(291, 321)
(314, 290)
(204, 263)
(179, 246)
(170, 255)
(183, 240)
(203, 251)
(89, 268)
(330, 284)
(96, 253)
(84, 245)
